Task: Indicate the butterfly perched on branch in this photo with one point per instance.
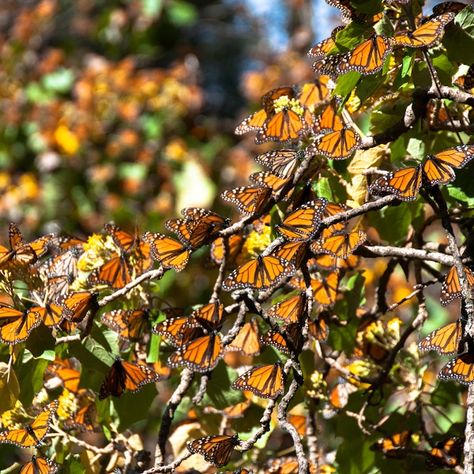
(131, 260)
(215, 449)
(201, 353)
(265, 381)
(126, 376)
(436, 169)
(34, 433)
(261, 273)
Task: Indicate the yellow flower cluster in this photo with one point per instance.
(319, 386)
(67, 404)
(284, 102)
(13, 418)
(97, 250)
(256, 242)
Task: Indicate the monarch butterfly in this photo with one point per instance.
(451, 286)
(286, 125)
(64, 264)
(303, 222)
(261, 273)
(290, 310)
(299, 422)
(210, 314)
(293, 252)
(338, 243)
(266, 381)
(234, 246)
(285, 340)
(178, 330)
(247, 340)
(19, 252)
(249, 200)
(77, 304)
(34, 433)
(366, 58)
(460, 368)
(128, 376)
(58, 286)
(403, 183)
(446, 453)
(330, 118)
(324, 47)
(336, 145)
(324, 288)
(127, 242)
(284, 465)
(467, 80)
(51, 314)
(39, 466)
(236, 411)
(67, 374)
(116, 273)
(198, 228)
(426, 35)
(392, 445)
(84, 418)
(167, 251)
(202, 353)
(349, 13)
(437, 169)
(129, 324)
(318, 329)
(311, 94)
(282, 163)
(268, 180)
(329, 262)
(215, 449)
(279, 119)
(445, 7)
(252, 123)
(16, 325)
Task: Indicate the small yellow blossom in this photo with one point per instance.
(284, 102)
(13, 418)
(67, 141)
(256, 242)
(319, 386)
(67, 404)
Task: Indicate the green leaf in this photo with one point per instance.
(346, 83)
(392, 222)
(40, 341)
(133, 407)
(219, 394)
(354, 455)
(323, 189)
(182, 13)
(152, 8)
(461, 32)
(30, 374)
(351, 36)
(59, 81)
(416, 148)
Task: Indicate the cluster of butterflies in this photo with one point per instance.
(292, 113)
(443, 454)
(452, 338)
(369, 56)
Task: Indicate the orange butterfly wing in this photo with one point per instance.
(247, 340)
(403, 183)
(34, 433)
(265, 381)
(167, 251)
(215, 449)
(444, 340)
(261, 273)
(289, 310)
